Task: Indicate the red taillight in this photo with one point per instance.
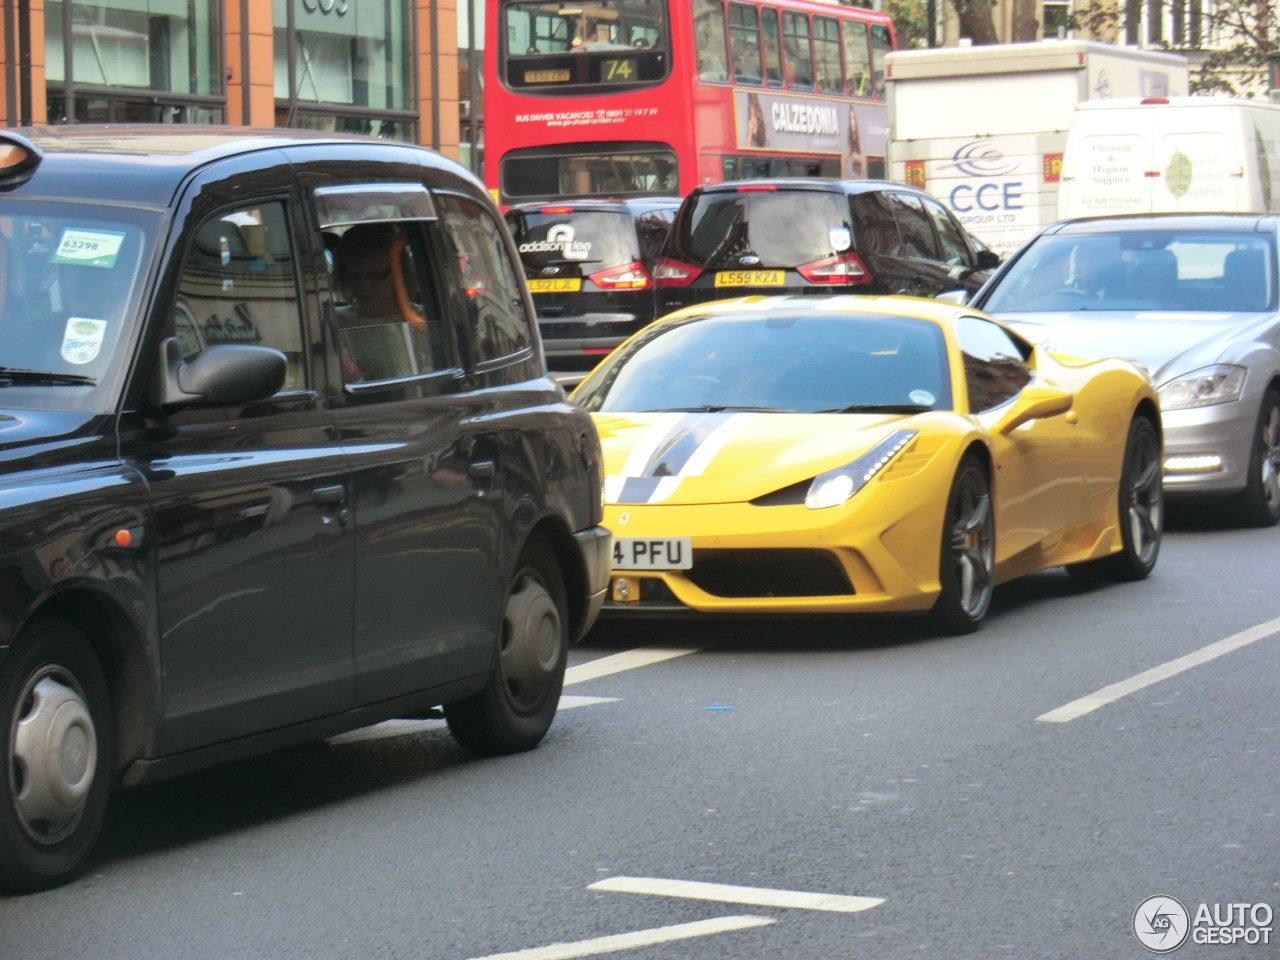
(673, 273)
(556, 211)
(847, 269)
(1147, 100)
(633, 276)
(758, 188)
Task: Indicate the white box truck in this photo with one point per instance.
(984, 128)
(1172, 155)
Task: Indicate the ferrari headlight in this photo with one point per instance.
(1203, 388)
(835, 487)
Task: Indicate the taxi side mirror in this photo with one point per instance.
(225, 373)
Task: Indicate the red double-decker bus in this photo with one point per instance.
(623, 97)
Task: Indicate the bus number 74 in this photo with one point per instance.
(619, 69)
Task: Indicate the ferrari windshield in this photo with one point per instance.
(804, 361)
(1195, 271)
(70, 275)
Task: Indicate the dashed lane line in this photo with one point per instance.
(630, 941)
(1112, 693)
(727, 893)
(627, 660)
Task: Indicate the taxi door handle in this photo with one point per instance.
(333, 494)
(482, 469)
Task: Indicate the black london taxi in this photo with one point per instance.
(239, 507)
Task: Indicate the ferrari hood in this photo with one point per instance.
(1168, 344)
(696, 458)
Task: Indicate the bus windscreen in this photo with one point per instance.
(554, 47)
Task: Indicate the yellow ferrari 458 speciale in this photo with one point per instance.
(831, 455)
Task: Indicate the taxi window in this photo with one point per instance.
(239, 285)
(485, 276)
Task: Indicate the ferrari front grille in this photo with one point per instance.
(769, 573)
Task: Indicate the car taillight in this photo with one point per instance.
(673, 273)
(847, 268)
(758, 188)
(633, 276)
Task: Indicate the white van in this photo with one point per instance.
(1171, 155)
(984, 128)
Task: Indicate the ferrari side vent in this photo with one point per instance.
(913, 459)
(769, 573)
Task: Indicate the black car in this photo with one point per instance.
(236, 512)
(589, 265)
(815, 236)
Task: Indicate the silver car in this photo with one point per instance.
(1191, 297)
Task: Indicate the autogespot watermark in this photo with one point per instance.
(1162, 924)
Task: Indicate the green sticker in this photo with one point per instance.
(1177, 176)
(89, 248)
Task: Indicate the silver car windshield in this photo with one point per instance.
(70, 275)
(1180, 271)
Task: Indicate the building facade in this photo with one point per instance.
(388, 68)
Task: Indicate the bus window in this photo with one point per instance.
(797, 57)
(772, 49)
(709, 40)
(881, 44)
(826, 55)
(589, 169)
(857, 59)
(744, 41)
(558, 49)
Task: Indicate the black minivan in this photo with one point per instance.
(589, 265)
(240, 508)
(815, 236)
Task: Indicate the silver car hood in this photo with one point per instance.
(1167, 343)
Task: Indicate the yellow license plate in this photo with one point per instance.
(749, 278)
(546, 76)
(556, 285)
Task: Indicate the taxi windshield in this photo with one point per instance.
(70, 276)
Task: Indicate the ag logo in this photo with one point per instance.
(1161, 924)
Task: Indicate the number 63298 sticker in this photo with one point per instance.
(89, 248)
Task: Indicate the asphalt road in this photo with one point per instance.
(768, 790)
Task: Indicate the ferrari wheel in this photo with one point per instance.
(1141, 496)
(967, 566)
(55, 746)
(515, 709)
(1258, 504)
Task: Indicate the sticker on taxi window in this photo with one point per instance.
(89, 248)
(841, 239)
(83, 340)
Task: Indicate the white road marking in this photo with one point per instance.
(400, 728)
(726, 893)
(1112, 693)
(630, 941)
(628, 660)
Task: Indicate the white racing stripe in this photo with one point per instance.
(1112, 693)
(631, 941)
(643, 451)
(627, 660)
(726, 893)
(714, 444)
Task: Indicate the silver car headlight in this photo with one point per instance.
(1205, 387)
(835, 487)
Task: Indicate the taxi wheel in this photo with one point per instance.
(515, 709)
(1141, 521)
(966, 566)
(55, 726)
(1258, 504)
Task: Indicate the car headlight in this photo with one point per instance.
(834, 487)
(1203, 388)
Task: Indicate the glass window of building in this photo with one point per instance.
(344, 66)
(134, 61)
